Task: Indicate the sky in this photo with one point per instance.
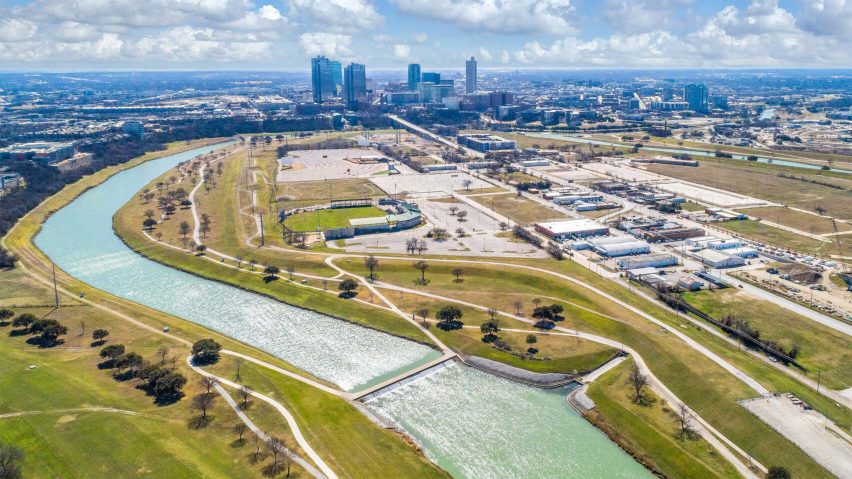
(284, 34)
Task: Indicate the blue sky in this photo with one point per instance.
(283, 34)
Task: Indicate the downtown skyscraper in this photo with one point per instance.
(326, 77)
(413, 76)
(354, 84)
(470, 76)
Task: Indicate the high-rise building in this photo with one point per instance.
(696, 96)
(354, 84)
(325, 78)
(431, 77)
(470, 75)
(413, 76)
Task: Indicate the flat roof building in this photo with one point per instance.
(647, 261)
(484, 142)
(560, 230)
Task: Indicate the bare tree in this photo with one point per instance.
(637, 381)
(422, 266)
(208, 383)
(466, 183)
(325, 285)
(453, 210)
(457, 272)
(290, 270)
(371, 262)
(275, 448)
(462, 215)
(163, 352)
(684, 417)
(245, 394)
(423, 313)
(203, 402)
(518, 305)
(239, 430)
(421, 246)
(238, 365)
(492, 313)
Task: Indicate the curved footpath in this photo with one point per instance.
(706, 430)
(291, 421)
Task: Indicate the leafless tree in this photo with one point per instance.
(518, 305)
(163, 352)
(462, 215)
(325, 285)
(290, 270)
(422, 266)
(684, 417)
(453, 210)
(208, 383)
(637, 381)
(245, 394)
(239, 430)
(203, 402)
(423, 313)
(371, 262)
(238, 365)
(457, 272)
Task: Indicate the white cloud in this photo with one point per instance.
(330, 44)
(16, 30)
(763, 34)
(637, 16)
(338, 15)
(421, 38)
(827, 17)
(498, 16)
(484, 54)
(266, 18)
(401, 51)
(505, 57)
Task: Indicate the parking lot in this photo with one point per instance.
(433, 185)
(481, 234)
(312, 165)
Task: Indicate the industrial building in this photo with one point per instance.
(718, 259)
(561, 230)
(485, 143)
(624, 249)
(647, 261)
(48, 152)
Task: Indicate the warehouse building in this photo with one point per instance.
(624, 249)
(561, 230)
(647, 261)
(484, 143)
(718, 259)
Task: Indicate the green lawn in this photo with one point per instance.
(648, 432)
(157, 442)
(346, 439)
(758, 231)
(331, 218)
(821, 347)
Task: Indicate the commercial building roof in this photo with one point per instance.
(567, 227)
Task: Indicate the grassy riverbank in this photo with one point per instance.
(615, 413)
(705, 386)
(156, 441)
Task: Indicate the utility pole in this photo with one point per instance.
(55, 289)
(262, 242)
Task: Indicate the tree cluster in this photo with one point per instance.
(159, 380)
(449, 318)
(205, 351)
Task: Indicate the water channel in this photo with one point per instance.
(472, 424)
(684, 151)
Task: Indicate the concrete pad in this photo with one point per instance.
(811, 431)
(313, 165)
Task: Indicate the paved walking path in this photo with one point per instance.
(291, 421)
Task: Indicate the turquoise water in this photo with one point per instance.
(80, 239)
(700, 153)
(474, 425)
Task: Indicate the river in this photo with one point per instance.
(472, 424)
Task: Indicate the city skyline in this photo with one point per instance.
(385, 34)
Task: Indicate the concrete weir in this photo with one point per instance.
(405, 378)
